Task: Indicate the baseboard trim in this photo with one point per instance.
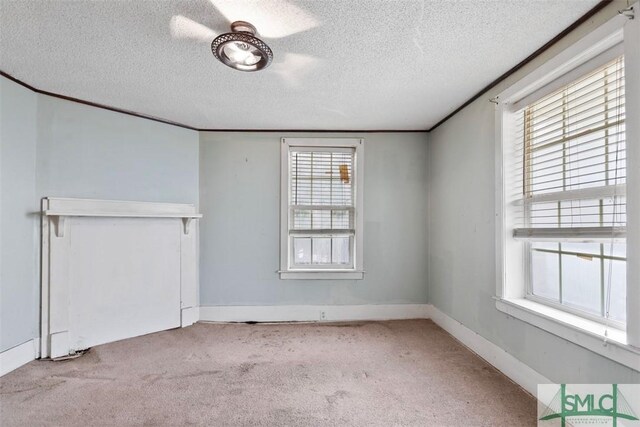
(17, 356)
(313, 313)
(517, 371)
(189, 316)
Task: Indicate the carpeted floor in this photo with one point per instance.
(362, 374)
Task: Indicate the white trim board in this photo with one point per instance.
(312, 313)
(97, 207)
(583, 332)
(17, 356)
(517, 371)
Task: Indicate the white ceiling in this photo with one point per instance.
(339, 64)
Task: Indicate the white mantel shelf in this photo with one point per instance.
(60, 208)
(122, 214)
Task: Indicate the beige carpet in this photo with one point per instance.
(362, 374)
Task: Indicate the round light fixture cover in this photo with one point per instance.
(241, 49)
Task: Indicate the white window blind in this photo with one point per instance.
(572, 160)
(571, 168)
(321, 207)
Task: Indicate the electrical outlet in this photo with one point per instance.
(323, 315)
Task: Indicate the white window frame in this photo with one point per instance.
(622, 346)
(321, 273)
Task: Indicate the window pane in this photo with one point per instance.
(615, 249)
(321, 178)
(301, 219)
(340, 250)
(321, 186)
(544, 215)
(615, 274)
(584, 158)
(581, 278)
(545, 271)
(546, 170)
(574, 139)
(580, 213)
(582, 248)
(321, 198)
(341, 219)
(617, 156)
(300, 178)
(317, 219)
(321, 219)
(302, 250)
(614, 211)
(321, 250)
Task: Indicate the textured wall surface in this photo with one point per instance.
(89, 152)
(18, 218)
(240, 231)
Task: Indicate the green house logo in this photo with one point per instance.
(586, 407)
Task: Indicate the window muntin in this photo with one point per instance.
(576, 276)
(573, 185)
(321, 207)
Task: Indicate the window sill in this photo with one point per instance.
(321, 275)
(580, 331)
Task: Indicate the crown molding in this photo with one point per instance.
(597, 8)
(94, 104)
(182, 125)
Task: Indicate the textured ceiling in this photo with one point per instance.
(339, 64)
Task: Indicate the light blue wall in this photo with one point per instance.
(18, 221)
(89, 152)
(462, 258)
(56, 148)
(240, 231)
(462, 273)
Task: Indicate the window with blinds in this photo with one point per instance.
(571, 145)
(321, 207)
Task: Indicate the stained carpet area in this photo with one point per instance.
(362, 374)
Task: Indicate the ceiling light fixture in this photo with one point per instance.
(241, 49)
